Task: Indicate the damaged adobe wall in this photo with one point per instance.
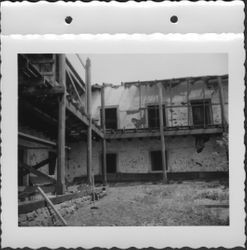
(183, 155)
(77, 160)
(134, 156)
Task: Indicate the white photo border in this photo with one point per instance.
(123, 237)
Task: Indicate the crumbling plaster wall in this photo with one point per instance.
(77, 160)
(133, 156)
(132, 101)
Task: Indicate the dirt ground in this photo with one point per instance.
(147, 204)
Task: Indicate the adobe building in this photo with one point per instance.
(71, 130)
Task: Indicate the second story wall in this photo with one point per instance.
(185, 104)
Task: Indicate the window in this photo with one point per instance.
(111, 163)
(110, 118)
(201, 112)
(154, 117)
(156, 160)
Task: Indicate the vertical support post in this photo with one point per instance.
(162, 139)
(204, 110)
(140, 102)
(61, 128)
(171, 109)
(89, 114)
(222, 102)
(188, 100)
(103, 139)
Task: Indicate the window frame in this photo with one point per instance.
(164, 115)
(210, 112)
(117, 115)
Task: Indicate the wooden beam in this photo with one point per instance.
(61, 128)
(103, 139)
(89, 133)
(204, 109)
(83, 118)
(222, 104)
(76, 91)
(52, 206)
(36, 172)
(162, 138)
(30, 190)
(28, 107)
(179, 132)
(39, 140)
(39, 165)
(175, 80)
(34, 91)
(76, 75)
(171, 109)
(188, 100)
(36, 139)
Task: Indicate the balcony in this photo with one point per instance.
(193, 118)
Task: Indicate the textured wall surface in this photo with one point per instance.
(134, 156)
(132, 101)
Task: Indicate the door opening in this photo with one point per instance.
(156, 160)
(111, 163)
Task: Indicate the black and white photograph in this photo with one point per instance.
(123, 125)
(123, 139)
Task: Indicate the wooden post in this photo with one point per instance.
(222, 104)
(61, 128)
(204, 109)
(171, 109)
(89, 114)
(163, 149)
(103, 139)
(188, 101)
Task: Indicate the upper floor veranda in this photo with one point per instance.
(192, 105)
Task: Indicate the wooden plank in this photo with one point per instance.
(89, 113)
(52, 206)
(103, 139)
(162, 138)
(36, 172)
(61, 128)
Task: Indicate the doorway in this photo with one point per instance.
(111, 163)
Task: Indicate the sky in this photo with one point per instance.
(117, 68)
